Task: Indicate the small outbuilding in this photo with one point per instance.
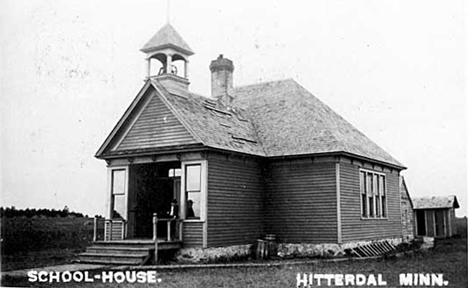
(434, 217)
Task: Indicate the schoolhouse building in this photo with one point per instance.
(243, 162)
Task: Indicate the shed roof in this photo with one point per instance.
(435, 202)
(271, 119)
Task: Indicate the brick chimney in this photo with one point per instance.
(221, 80)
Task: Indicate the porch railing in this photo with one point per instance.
(114, 229)
(171, 223)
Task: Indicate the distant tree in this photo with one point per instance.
(10, 212)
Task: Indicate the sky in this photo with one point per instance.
(394, 69)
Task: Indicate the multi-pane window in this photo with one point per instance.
(373, 194)
(193, 190)
(118, 193)
(174, 172)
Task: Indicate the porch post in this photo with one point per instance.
(155, 237)
(110, 230)
(169, 230)
(180, 229)
(95, 229)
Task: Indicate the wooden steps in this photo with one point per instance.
(124, 252)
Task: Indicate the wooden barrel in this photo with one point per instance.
(262, 249)
(272, 247)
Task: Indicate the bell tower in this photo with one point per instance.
(167, 57)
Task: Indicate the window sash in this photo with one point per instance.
(373, 195)
(118, 194)
(118, 181)
(194, 182)
(193, 177)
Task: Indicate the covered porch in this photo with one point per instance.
(139, 211)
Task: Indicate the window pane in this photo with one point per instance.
(377, 206)
(118, 181)
(175, 172)
(363, 205)
(370, 186)
(193, 177)
(376, 184)
(384, 207)
(362, 181)
(119, 207)
(382, 185)
(193, 205)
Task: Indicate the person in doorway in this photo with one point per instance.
(190, 213)
(174, 214)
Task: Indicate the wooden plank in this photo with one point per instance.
(193, 234)
(338, 202)
(235, 201)
(155, 127)
(301, 198)
(355, 228)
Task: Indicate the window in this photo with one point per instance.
(383, 194)
(174, 172)
(377, 195)
(363, 184)
(373, 195)
(118, 193)
(370, 194)
(193, 191)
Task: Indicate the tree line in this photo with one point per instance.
(10, 212)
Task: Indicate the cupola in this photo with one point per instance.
(167, 58)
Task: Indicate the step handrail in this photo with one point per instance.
(169, 221)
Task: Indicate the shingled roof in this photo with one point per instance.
(215, 125)
(167, 36)
(291, 121)
(271, 119)
(436, 202)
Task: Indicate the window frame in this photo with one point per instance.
(111, 170)
(375, 194)
(203, 190)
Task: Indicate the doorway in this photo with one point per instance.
(421, 222)
(439, 223)
(152, 188)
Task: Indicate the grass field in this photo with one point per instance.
(448, 257)
(31, 242)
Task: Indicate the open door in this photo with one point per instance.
(421, 222)
(153, 187)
